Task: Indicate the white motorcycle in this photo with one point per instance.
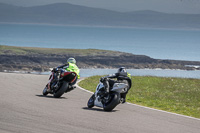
(107, 101)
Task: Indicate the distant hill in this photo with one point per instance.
(147, 12)
(69, 14)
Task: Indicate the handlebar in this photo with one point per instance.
(56, 69)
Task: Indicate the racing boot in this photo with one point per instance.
(123, 98)
(70, 88)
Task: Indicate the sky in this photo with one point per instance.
(167, 6)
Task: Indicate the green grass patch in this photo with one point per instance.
(58, 51)
(178, 95)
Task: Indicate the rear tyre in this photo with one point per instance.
(90, 103)
(44, 92)
(112, 103)
(61, 90)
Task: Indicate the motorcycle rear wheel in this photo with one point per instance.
(90, 103)
(112, 103)
(61, 90)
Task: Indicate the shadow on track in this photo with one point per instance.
(98, 109)
(49, 96)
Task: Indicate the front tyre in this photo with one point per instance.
(112, 103)
(61, 90)
(90, 103)
(44, 92)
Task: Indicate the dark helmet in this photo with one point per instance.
(122, 69)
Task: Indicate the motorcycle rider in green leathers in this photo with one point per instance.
(71, 67)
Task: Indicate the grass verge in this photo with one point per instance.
(58, 51)
(178, 95)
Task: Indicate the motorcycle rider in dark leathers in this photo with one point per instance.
(122, 76)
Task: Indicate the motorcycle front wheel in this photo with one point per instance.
(44, 92)
(90, 103)
(61, 90)
(112, 102)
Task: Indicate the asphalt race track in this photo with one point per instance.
(23, 109)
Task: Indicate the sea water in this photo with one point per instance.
(136, 72)
(143, 72)
(156, 43)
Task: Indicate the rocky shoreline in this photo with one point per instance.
(43, 63)
(10, 60)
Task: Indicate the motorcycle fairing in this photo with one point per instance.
(68, 76)
(97, 101)
(120, 87)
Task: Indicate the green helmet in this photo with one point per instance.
(71, 60)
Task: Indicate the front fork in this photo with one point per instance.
(53, 76)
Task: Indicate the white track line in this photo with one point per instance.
(81, 87)
(140, 105)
